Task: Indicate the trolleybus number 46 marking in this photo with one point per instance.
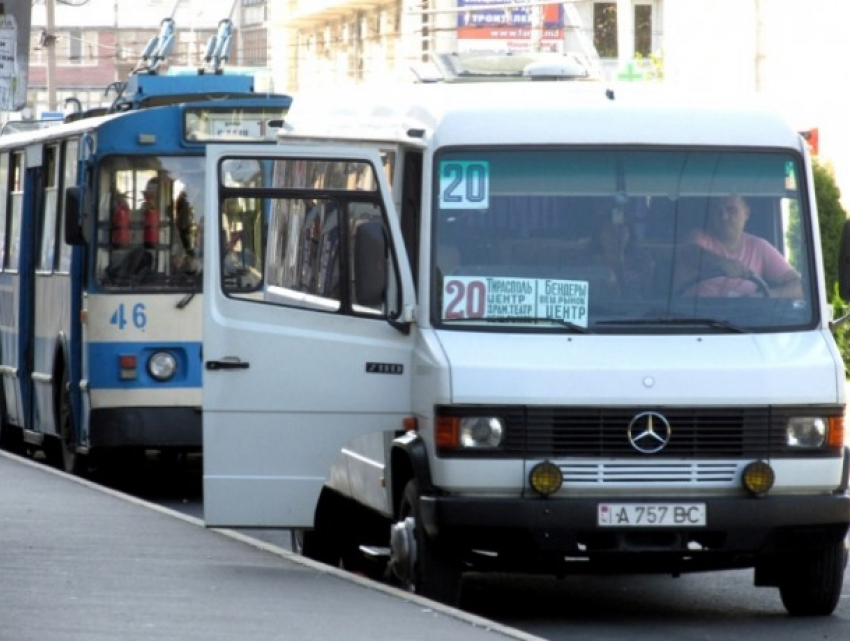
(651, 514)
(139, 316)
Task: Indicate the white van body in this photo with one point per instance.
(498, 396)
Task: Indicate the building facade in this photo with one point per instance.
(328, 43)
(790, 51)
(793, 53)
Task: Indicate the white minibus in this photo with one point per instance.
(528, 327)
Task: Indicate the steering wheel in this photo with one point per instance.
(762, 288)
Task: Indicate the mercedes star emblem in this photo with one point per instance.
(649, 432)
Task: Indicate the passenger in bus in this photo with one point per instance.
(724, 260)
(613, 246)
(151, 214)
(183, 251)
(133, 267)
(120, 221)
(129, 262)
(185, 223)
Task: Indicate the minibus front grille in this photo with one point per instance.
(604, 432)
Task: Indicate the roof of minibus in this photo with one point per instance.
(532, 113)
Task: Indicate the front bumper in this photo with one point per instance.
(152, 427)
(535, 534)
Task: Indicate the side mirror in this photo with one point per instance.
(370, 263)
(75, 216)
(844, 263)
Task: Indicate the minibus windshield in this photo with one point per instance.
(621, 240)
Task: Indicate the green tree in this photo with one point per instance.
(831, 217)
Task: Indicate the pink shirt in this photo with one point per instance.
(758, 255)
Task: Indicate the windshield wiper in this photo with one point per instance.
(578, 329)
(186, 300)
(685, 322)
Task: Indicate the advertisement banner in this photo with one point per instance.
(15, 17)
(490, 25)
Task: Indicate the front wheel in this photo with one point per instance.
(62, 452)
(812, 584)
(419, 562)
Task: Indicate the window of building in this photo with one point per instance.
(643, 29)
(254, 12)
(80, 46)
(254, 48)
(605, 29)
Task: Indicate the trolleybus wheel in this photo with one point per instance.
(10, 437)
(813, 583)
(71, 461)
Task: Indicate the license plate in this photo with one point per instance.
(651, 514)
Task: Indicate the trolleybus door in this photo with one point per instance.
(286, 387)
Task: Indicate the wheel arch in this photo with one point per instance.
(60, 363)
(408, 460)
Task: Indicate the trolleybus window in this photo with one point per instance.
(49, 218)
(69, 178)
(149, 217)
(16, 194)
(4, 210)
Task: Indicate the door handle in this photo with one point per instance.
(228, 362)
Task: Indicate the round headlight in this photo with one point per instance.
(758, 478)
(481, 431)
(545, 478)
(162, 366)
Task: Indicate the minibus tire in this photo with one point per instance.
(435, 573)
(812, 586)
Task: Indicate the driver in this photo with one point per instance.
(731, 262)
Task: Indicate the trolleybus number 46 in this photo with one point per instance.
(651, 514)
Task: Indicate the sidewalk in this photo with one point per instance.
(79, 562)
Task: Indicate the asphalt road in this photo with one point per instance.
(718, 605)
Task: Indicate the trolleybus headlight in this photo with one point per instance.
(545, 478)
(481, 432)
(162, 366)
(806, 431)
(758, 478)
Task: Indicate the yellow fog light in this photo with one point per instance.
(546, 478)
(758, 478)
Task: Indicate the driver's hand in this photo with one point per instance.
(734, 269)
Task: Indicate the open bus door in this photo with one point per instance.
(289, 381)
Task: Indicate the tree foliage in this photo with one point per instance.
(831, 217)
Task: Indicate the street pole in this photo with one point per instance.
(50, 48)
